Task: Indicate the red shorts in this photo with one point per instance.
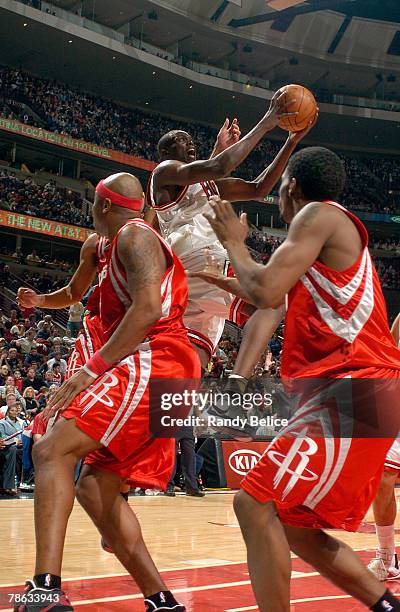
(319, 479)
(115, 410)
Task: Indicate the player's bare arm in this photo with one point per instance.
(231, 285)
(76, 288)
(238, 190)
(144, 261)
(396, 329)
(268, 285)
(174, 172)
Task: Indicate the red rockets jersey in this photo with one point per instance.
(114, 295)
(337, 321)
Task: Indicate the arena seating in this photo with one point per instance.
(371, 182)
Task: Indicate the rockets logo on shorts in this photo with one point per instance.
(99, 392)
(295, 461)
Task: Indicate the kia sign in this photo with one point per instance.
(242, 460)
(239, 458)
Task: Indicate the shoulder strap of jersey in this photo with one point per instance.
(357, 222)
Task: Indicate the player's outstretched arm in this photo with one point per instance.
(173, 172)
(144, 261)
(76, 288)
(268, 285)
(231, 285)
(237, 190)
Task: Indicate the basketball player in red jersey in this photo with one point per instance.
(336, 327)
(385, 565)
(105, 404)
(179, 191)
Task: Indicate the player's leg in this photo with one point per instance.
(257, 332)
(268, 554)
(385, 566)
(341, 565)
(55, 456)
(99, 494)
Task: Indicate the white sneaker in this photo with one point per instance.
(384, 570)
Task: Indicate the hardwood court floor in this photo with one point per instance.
(196, 544)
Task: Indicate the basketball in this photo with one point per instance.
(305, 105)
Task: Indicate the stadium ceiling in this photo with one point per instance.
(239, 13)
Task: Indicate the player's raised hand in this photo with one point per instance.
(68, 391)
(225, 222)
(297, 136)
(278, 109)
(28, 298)
(228, 135)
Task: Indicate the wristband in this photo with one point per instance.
(96, 366)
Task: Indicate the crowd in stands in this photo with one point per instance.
(385, 243)
(133, 131)
(24, 196)
(33, 363)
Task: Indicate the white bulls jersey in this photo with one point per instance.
(182, 223)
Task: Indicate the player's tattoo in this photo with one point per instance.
(143, 258)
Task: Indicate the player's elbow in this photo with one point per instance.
(152, 315)
(263, 297)
(220, 167)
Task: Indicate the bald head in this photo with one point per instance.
(125, 184)
(118, 198)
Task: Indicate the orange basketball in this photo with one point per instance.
(305, 105)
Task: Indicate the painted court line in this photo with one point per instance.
(161, 571)
(205, 587)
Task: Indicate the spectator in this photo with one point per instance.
(10, 387)
(33, 358)
(27, 342)
(8, 466)
(56, 372)
(33, 258)
(32, 380)
(11, 401)
(4, 373)
(57, 359)
(75, 318)
(31, 404)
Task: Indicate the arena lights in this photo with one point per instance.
(25, 25)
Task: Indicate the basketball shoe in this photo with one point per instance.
(384, 567)
(35, 599)
(163, 606)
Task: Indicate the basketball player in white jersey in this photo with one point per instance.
(385, 565)
(179, 191)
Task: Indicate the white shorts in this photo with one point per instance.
(392, 461)
(208, 306)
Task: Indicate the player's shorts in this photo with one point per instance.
(323, 469)
(392, 461)
(209, 306)
(115, 409)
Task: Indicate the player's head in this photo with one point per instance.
(118, 198)
(314, 174)
(177, 145)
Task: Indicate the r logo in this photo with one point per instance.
(295, 461)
